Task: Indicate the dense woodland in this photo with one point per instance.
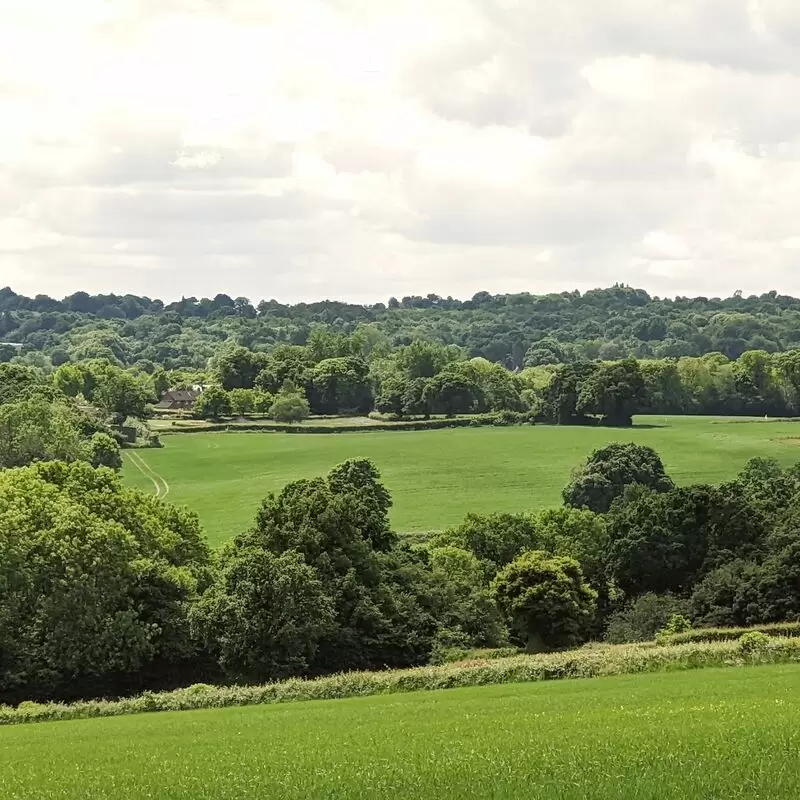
(571, 359)
(105, 590)
(516, 330)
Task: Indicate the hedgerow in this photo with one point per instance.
(584, 663)
(785, 629)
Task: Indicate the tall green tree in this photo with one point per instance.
(613, 391)
(546, 600)
(95, 583)
(264, 616)
(609, 470)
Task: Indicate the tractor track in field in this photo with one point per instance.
(160, 484)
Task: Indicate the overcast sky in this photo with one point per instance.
(359, 149)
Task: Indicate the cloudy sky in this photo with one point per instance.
(356, 149)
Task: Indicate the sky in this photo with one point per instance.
(358, 149)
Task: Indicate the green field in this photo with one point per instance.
(436, 477)
(728, 733)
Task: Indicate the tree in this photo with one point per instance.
(264, 616)
(667, 542)
(213, 403)
(104, 451)
(495, 539)
(285, 363)
(242, 401)
(237, 367)
(546, 600)
(424, 359)
(450, 394)
(416, 398)
(664, 391)
(465, 606)
(119, 393)
(359, 479)
(36, 430)
(563, 393)
(778, 585)
(262, 401)
(644, 617)
(609, 470)
(577, 533)
(390, 396)
(73, 380)
(341, 384)
(331, 523)
(289, 407)
(95, 582)
(728, 596)
(544, 352)
(614, 391)
(18, 382)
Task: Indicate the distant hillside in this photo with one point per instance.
(514, 329)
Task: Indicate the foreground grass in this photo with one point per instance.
(702, 734)
(436, 477)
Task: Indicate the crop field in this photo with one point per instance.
(437, 476)
(727, 733)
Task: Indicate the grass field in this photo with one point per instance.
(728, 733)
(436, 477)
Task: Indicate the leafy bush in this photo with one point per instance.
(783, 629)
(677, 624)
(289, 407)
(753, 642)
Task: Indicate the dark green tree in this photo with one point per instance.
(615, 392)
(450, 394)
(609, 470)
(264, 616)
(667, 542)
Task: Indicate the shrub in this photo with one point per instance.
(753, 641)
(677, 624)
(289, 408)
(783, 629)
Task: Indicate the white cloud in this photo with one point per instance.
(347, 148)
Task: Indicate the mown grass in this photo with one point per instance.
(436, 477)
(703, 734)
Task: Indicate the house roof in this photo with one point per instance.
(179, 396)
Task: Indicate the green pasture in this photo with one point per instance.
(436, 477)
(714, 733)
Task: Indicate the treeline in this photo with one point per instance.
(335, 375)
(516, 330)
(106, 590)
